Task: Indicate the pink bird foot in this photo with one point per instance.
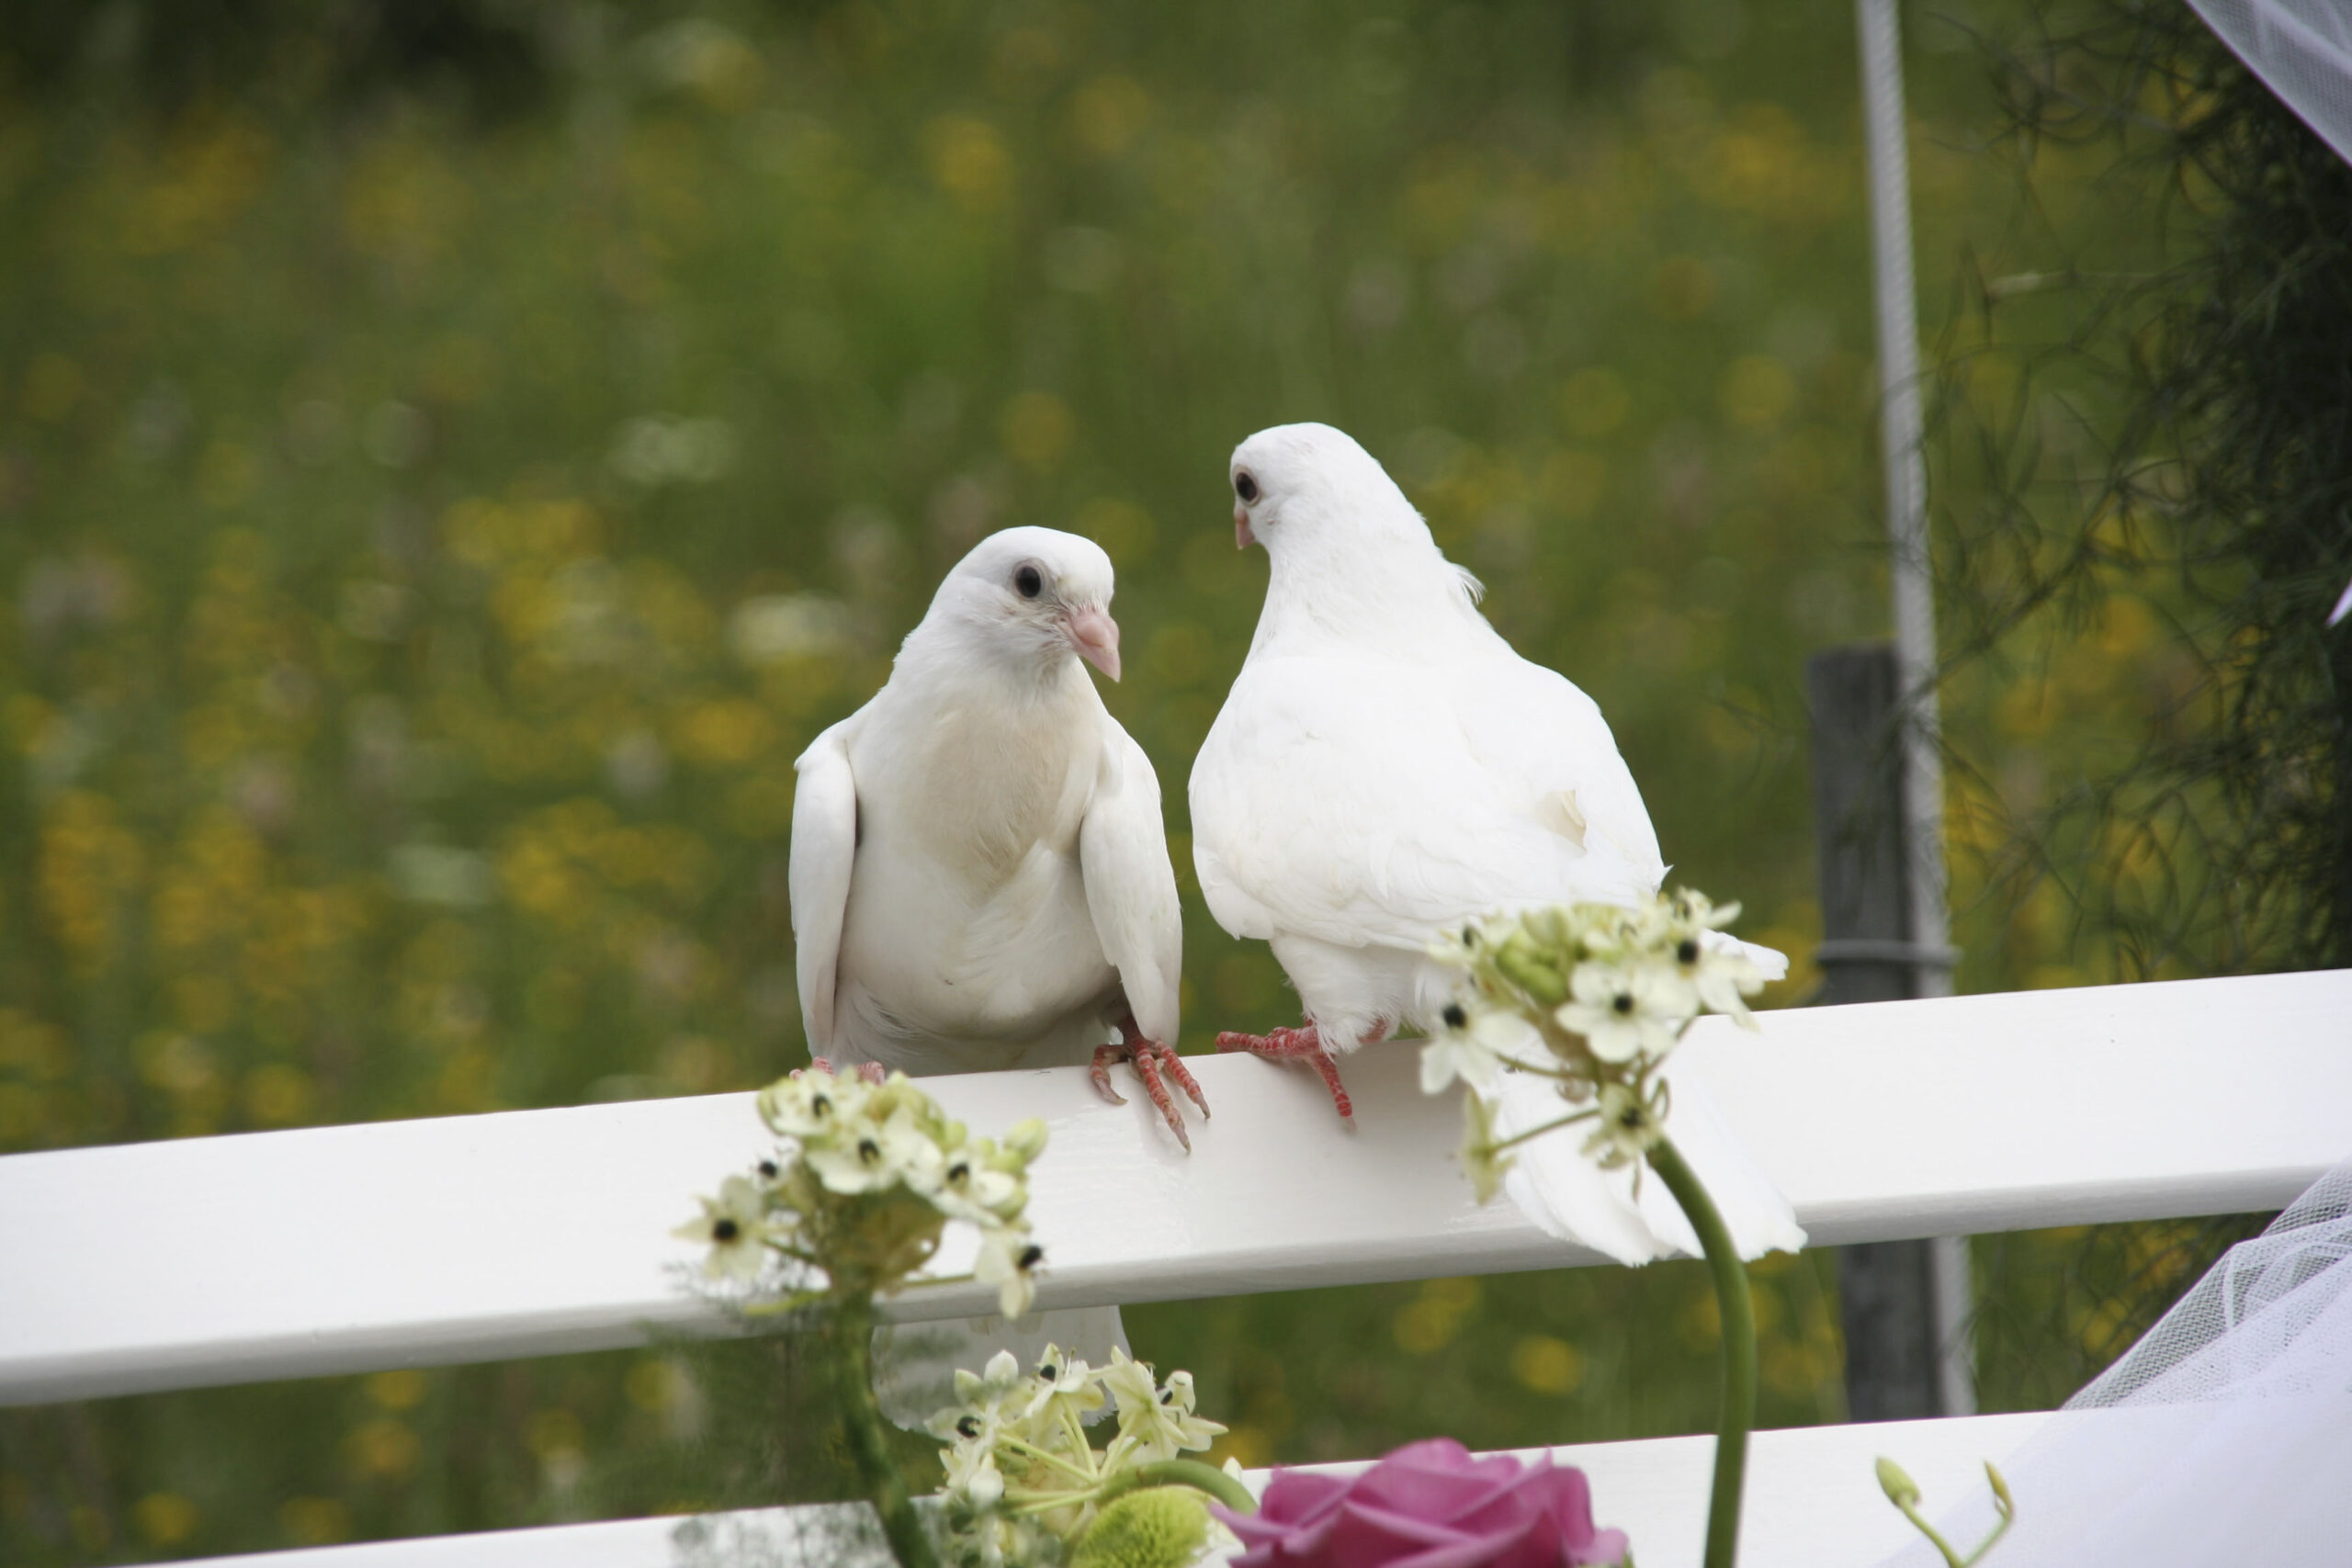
(1150, 1058)
(1302, 1044)
(867, 1072)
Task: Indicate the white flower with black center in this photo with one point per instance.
(1157, 1419)
(1714, 977)
(1476, 1048)
(1008, 1260)
(870, 1156)
(734, 1225)
(968, 1190)
(1623, 1011)
(1626, 1130)
(1057, 1376)
(812, 1105)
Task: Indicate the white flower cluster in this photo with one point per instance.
(1594, 996)
(1022, 1479)
(859, 1190)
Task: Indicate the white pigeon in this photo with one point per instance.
(979, 872)
(980, 881)
(1386, 766)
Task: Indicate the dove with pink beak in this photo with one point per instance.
(980, 870)
(980, 881)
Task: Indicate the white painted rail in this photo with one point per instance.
(1812, 1499)
(343, 1249)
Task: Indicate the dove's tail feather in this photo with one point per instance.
(1758, 1218)
(1558, 1187)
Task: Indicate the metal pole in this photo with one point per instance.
(1915, 605)
(1889, 1294)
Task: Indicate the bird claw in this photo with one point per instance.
(1300, 1044)
(1150, 1058)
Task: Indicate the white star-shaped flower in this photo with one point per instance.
(869, 1156)
(1474, 1047)
(811, 1105)
(1623, 1009)
(1624, 1132)
(1716, 977)
(1008, 1259)
(967, 1189)
(1157, 1419)
(735, 1226)
(1062, 1377)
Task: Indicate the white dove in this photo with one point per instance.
(1386, 766)
(980, 872)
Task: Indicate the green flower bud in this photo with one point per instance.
(1026, 1141)
(2008, 1504)
(1526, 967)
(1900, 1489)
(1159, 1527)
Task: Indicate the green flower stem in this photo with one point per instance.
(1190, 1473)
(1935, 1538)
(1739, 1351)
(1499, 1145)
(852, 1329)
(1068, 1467)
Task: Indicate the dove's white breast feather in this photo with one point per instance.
(979, 870)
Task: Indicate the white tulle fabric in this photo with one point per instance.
(2224, 1436)
(1559, 1187)
(2303, 52)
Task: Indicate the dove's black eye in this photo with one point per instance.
(725, 1230)
(1455, 1017)
(1028, 582)
(1030, 1255)
(1246, 488)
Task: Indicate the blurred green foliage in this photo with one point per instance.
(452, 459)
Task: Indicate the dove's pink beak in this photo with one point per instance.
(1095, 636)
(1243, 536)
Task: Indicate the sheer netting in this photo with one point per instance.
(2224, 1436)
(2303, 52)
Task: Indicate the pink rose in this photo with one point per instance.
(1429, 1505)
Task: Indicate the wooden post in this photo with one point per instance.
(1904, 1319)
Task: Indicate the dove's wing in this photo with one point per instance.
(1542, 728)
(1372, 800)
(1130, 887)
(824, 848)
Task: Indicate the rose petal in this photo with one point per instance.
(1440, 1479)
(1295, 1496)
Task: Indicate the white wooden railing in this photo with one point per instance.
(350, 1249)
